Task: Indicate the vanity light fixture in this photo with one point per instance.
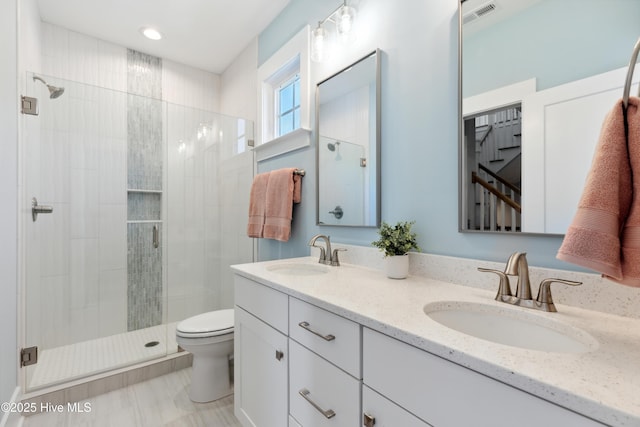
(343, 18)
(151, 33)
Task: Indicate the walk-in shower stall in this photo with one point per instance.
(141, 207)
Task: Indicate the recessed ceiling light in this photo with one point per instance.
(151, 33)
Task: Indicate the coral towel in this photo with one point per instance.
(605, 233)
(630, 237)
(257, 205)
(281, 194)
(271, 204)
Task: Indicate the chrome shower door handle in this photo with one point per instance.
(39, 209)
(156, 240)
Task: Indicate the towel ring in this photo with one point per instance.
(632, 65)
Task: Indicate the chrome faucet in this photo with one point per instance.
(326, 256)
(517, 266)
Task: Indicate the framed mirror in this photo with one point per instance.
(537, 80)
(348, 145)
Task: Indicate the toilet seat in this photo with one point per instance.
(211, 324)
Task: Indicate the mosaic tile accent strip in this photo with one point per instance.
(144, 74)
(144, 277)
(144, 206)
(144, 142)
(144, 172)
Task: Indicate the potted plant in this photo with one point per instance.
(396, 241)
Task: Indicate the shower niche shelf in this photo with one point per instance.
(137, 190)
(144, 206)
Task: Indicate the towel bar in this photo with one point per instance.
(300, 172)
(632, 65)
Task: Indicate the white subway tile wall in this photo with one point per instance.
(76, 271)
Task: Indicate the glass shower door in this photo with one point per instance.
(210, 171)
(77, 261)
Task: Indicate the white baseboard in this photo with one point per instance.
(13, 419)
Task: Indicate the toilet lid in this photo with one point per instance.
(209, 324)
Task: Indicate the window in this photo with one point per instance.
(283, 90)
(288, 106)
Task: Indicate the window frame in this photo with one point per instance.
(281, 67)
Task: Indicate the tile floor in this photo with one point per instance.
(162, 401)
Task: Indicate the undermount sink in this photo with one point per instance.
(508, 326)
(299, 269)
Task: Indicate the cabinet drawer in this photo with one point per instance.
(325, 386)
(332, 337)
(385, 413)
(267, 304)
(433, 389)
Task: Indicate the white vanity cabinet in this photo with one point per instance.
(448, 395)
(300, 365)
(311, 379)
(260, 355)
(324, 367)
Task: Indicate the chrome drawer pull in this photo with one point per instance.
(328, 413)
(305, 325)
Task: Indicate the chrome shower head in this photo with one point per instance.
(54, 91)
(332, 146)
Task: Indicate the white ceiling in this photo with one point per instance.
(206, 34)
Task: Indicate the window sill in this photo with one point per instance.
(294, 140)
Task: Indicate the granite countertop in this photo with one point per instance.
(603, 384)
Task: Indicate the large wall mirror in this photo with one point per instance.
(537, 79)
(348, 145)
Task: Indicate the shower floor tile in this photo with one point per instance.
(69, 362)
(162, 401)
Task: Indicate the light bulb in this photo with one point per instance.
(318, 44)
(344, 23)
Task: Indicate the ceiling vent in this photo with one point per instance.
(479, 12)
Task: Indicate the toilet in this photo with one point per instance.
(209, 337)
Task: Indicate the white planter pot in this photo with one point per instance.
(397, 266)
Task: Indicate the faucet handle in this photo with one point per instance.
(544, 300)
(334, 257)
(504, 291)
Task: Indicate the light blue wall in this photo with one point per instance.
(419, 42)
(537, 43)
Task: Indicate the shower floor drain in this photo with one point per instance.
(152, 344)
